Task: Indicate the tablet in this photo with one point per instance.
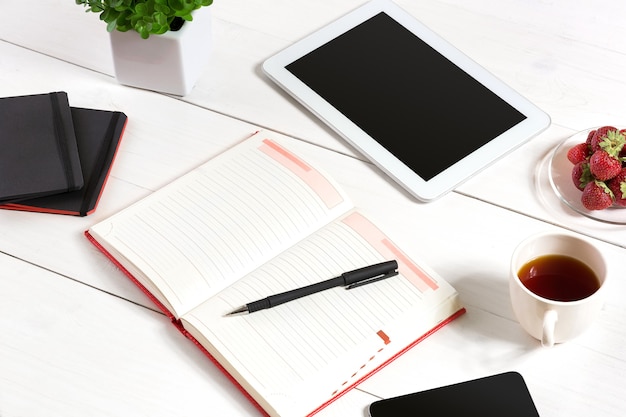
(419, 109)
(499, 395)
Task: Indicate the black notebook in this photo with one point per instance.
(38, 151)
(98, 134)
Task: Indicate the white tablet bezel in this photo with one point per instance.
(535, 122)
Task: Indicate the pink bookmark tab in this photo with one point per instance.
(313, 178)
(416, 276)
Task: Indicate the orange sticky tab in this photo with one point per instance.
(383, 336)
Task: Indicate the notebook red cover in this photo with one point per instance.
(98, 135)
(179, 326)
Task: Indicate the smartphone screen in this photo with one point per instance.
(493, 396)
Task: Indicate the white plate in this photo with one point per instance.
(560, 174)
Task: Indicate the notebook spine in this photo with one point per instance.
(106, 155)
(62, 134)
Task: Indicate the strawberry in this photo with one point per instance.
(599, 135)
(617, 185)
(597, 196)
(578, 153)
(590, 136)
(604, 166)
(581, 175)
(612, 142)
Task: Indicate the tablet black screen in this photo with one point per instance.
(416, 103)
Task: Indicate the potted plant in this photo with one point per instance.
(160, 45)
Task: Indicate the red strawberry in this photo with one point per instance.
(581, 175)
(604, 166)
(578, 153)
(612, 142)
(597, 196)
(599, 135)
(590, 136)
(617, 185)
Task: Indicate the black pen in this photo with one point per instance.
(350, 279)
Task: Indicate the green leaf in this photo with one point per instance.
(613, 142)
(605, 188)
(162, 8)
(144, 16)
(175, 4)
(141, 9)
(111, 26)
(161, 19)
(109, 16)
(585, 177)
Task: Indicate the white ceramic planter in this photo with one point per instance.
(169, 63)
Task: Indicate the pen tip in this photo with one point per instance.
(240, 310)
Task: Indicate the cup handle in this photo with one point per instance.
(550, 318)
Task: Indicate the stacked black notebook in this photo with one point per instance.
(55, 158)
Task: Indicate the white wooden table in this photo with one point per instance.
(77, 338)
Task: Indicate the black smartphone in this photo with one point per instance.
(499, 395)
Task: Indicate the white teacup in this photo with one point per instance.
(550, 316)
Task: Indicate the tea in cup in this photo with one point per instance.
(556, 286)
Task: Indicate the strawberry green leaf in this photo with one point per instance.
(613, 142)
(605, 188)
(586, 177)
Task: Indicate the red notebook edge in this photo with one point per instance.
(441, 324)
(31, 209)
(185, 333)
(174, 321)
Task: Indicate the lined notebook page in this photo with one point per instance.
(197, 235)
(330, 339)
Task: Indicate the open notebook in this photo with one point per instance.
(255, 221)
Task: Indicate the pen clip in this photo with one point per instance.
(372, 279)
